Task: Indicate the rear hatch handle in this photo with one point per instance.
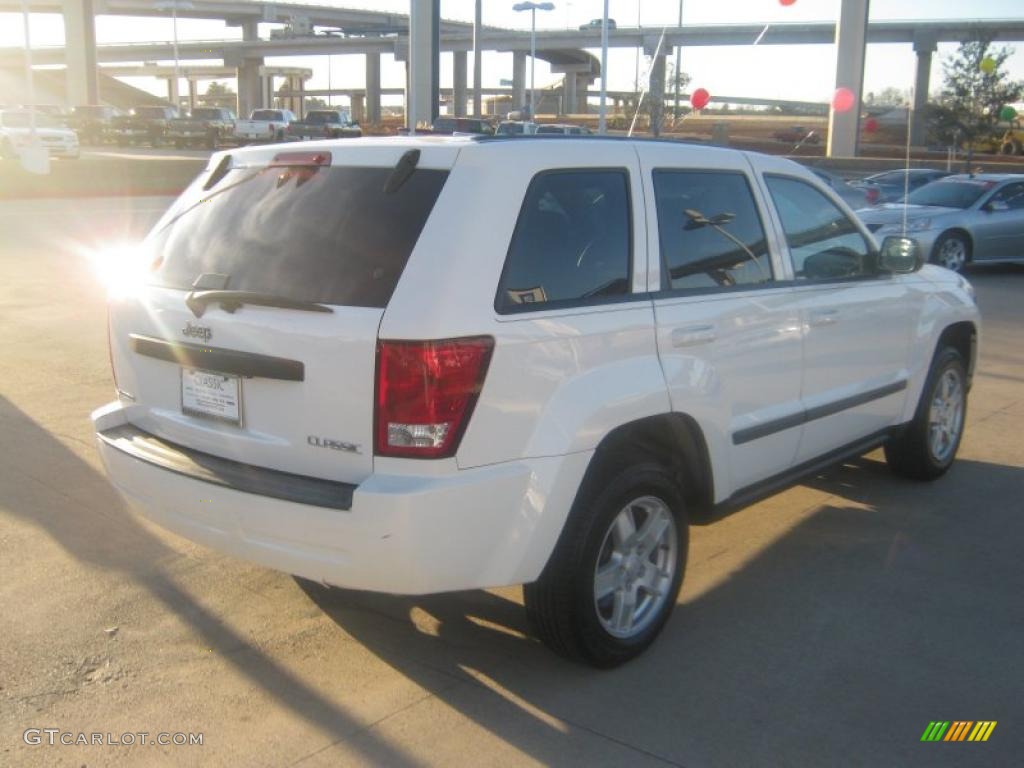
(230, 301)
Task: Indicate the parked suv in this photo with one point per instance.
(367, 365)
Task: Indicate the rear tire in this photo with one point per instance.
(1010, 148)
(927, 448)
(614, 576)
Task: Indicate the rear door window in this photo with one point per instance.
(329, 235)
(709, 230)
(571, 245)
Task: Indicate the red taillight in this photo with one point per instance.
(426, 391)
(872, 194)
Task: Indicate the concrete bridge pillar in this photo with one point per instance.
(250, 86)
(460, 71)
(373, 87)
(518, 79)
(173, 92)
(569, 92)
(924, 48)
(422, 87)
(358, 104)
(80, 53)
(657, 93)
(851, 39)
(193, 93)
(583, 84)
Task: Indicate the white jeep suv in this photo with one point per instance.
(423, 364)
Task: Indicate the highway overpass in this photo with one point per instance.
(372, 33)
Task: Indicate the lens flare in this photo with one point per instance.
(123, 269)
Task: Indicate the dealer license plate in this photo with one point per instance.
(211, 395)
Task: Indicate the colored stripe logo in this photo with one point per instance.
(958, 730)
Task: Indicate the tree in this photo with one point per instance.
(219, 95)
(968, 108)
(888, 97)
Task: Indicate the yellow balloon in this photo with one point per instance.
(988, 66)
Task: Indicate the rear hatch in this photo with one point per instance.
(256, 338)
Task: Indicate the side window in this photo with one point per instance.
(824, 243)
(709, 231)
(571, 243)
(1012, 196)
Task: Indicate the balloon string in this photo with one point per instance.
(647, 77)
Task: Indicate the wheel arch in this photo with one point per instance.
(954, 231)
(963, 337)
(674, 440)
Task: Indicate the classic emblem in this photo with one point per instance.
(197, 331)
(334, 445)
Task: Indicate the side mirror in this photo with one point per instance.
(900, 255)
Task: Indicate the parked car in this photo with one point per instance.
(855, 197)
(16, 133)
(960, 219)
(468, 125)
(143, 125)
(94, 123)
(324, 124)
(204, 127)
(563, 129)
(798, 134)
(361, 367)
(516, 128)
(597, 24)
(264, 125)
(58, 114)
(890, 186)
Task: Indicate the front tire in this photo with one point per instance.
(614, 576)
(927, 448)
(952, 251)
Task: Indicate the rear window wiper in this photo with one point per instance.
(230, 301)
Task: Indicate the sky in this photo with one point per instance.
(805, 72)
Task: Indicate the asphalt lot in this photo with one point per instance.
(826, 625)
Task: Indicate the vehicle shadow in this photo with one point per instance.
(46, 484)
(885, 608)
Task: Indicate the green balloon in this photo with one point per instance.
(988, 65)
(1007, 113)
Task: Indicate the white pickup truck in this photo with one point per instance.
(264, 125)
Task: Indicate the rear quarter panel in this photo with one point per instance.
(559, 380)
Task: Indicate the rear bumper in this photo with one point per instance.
(404, 534)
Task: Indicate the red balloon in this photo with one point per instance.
(870, 125)
(786, 2)
(842, 100)
(700, 98)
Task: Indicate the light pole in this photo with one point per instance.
(675, 111)
(173, 6)
(602, 121)
(533, 8)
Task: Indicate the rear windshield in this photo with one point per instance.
(319, 118)
(267, 114)
(206, 113)
(329, 235)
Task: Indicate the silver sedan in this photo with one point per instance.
(959, 219)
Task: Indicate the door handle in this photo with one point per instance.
(692, 335)
(824, 317)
